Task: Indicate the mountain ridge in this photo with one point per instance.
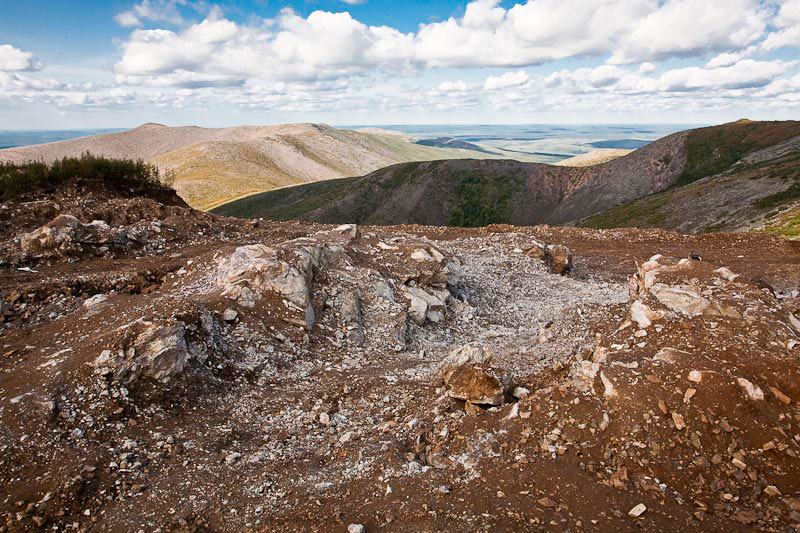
(479, 193)
(216, 165)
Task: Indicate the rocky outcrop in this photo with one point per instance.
(251, 271)
(66, 235)
(159, 351)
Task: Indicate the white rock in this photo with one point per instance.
(355, 528)
(520, 393)
(726, 273)
(421, 255)
(610, 391)
(232, 457)
(681, 299)
(583, 374)
(637, 511)
(641, 314)
(229, 315)
(458, 356)
(753, 392)
(95, 304)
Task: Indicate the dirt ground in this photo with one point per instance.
(143, 389)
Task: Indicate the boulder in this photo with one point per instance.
(681, 299)
(642, 315)
(583, 374)
(159, 351)
(66, 235)
(252, 270)
(468, 376)
(425, 306)
(95, 304)
(58, 235)
(557, 257)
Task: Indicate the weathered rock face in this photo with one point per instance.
(468, 376)
(353, 315)
(159, 351)
(253, 270)
(66, 235)
(424, 306)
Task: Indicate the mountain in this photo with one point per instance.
(473, 193)
(214, 166)
(754, 185)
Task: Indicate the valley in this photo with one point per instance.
(212, 166)
(737, 176)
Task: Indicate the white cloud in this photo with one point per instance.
(646, 68)
(509, 79)
(288, 48)
(330, 62)
(744, 74)
(452, 86)
(152, 10)
(688, 28)
(788, 23)
(328, 45)
(15, 60)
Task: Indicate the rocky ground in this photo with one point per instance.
(163, 369)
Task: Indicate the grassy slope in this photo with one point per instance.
(212, 174)
(713, 193)
(477, 198)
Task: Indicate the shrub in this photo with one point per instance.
(16, 178)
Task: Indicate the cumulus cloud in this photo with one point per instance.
(687, 28)
(452, 86)
(332, 61)
(15, 60)
(289, 49)
(787, 22)
(530, 33)
(509, 79)
(744, 74)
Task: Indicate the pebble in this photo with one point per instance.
(638, 510)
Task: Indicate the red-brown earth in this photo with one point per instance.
(164, 373)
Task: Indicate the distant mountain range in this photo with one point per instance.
(215, 166)
(695, 172)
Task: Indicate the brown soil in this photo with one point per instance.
(282, 429)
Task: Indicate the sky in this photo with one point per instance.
(116, 63)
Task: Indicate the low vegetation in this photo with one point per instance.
(482, 200)
(288, 202)
(790, 194)
(713, 150)
(16, 178)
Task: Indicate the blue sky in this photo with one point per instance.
(91, 64)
